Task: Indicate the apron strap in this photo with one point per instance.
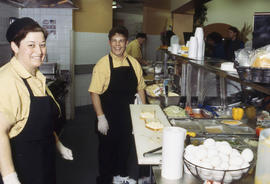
(28, 87)
(111, 62)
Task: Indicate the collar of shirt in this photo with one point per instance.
(22, 72)
(118, 59)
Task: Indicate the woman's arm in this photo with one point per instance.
(142, 95)
(6, 163)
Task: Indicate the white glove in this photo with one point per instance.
(11, 178)
(64, 151)
(103, 125)
(138, 99)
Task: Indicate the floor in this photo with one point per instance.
(79, 135)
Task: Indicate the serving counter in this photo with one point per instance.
(147, 140)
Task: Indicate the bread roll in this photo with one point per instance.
(147, 115)
(262, 60)
(153, 124)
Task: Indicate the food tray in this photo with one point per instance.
(216, 129)
(170, 117)
(242, 130)
(191, 126)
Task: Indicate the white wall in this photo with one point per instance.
(235, 12)
(89, 48)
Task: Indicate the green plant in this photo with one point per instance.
(199, 16)
(246, 29)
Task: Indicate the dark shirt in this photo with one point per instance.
(219, 51)
(231, 46)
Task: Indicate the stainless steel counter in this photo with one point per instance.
(189, 179)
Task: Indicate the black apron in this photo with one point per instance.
(33, 150)
(114, 147)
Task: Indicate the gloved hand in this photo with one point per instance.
(11, 178)
(64, 151)
(103, 125)
(138, 99)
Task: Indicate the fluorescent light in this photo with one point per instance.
(114, 6)
(114, 3)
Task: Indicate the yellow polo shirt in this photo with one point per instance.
(134, 49)
(102, 73)
(15, 98)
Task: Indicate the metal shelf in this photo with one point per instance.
(221, 73)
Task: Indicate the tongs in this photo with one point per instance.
(210, 109)
(152, 152)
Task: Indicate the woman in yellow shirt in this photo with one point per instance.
(27, 110)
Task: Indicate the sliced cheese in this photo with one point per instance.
(147, 114)
(153, 124)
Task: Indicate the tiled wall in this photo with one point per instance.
(6, 11)
(58, 45)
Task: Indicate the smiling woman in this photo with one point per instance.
(27, 110)
(31, 52)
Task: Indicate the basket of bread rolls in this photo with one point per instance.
(253, 65)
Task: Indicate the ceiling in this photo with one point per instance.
(130, 6)
(40, 3)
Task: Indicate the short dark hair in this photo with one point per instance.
(120, 30)
(215, 36)
(235, 30)
(141, 35)
(18, 30)
(32, 28)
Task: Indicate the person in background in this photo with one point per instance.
(233, 43)
(165, 38)
(214, 46)
(27, 110)
(116, 78)
(134, 48)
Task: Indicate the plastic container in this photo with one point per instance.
(262, 174)
(174, 40)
